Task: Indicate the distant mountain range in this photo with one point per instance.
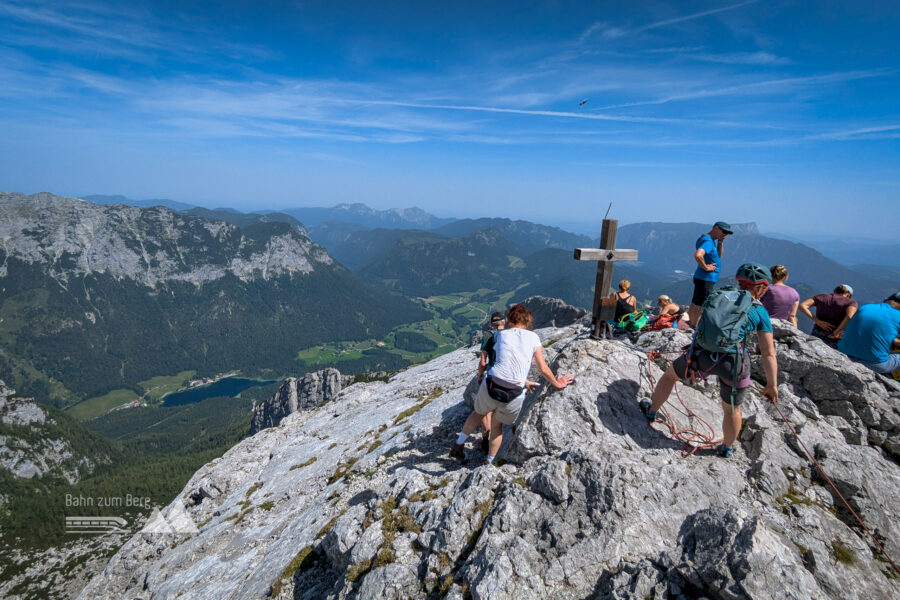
(851, 251)
(98, 298)
(103, 200)
(362, 237)
(666, 249)
(364, 216)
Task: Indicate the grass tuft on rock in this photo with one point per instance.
(304, 464)
(842, 553)
(343, 470)
(301, 562)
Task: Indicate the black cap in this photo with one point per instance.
(724, 227)
(895, 297)
(497, 317)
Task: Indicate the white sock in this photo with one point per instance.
(490, 459)
(462, 438)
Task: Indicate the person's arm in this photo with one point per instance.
(839, 330)
(804, 308)
(720, 248)
(557, 382)
(632, 301)
(698, 257)
(770, 365)
(482, 364)
(793, 316)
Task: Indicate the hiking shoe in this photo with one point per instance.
(458, 451)
(724, 451)
(485, 444)
(651, 416)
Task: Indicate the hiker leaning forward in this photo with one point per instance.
(756, 279)
(502, 391)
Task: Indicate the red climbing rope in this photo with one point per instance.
(689, 437)
(836, 491)
(692, 439)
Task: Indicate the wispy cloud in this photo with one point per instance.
(768, 86)
(612, 32)
(116, 31)
(741, 58)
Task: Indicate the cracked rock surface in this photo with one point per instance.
(357, 498)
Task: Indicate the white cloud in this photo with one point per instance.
(612, 32)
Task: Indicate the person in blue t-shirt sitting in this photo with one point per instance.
(756, 279)
(708, 256)
(871, 333)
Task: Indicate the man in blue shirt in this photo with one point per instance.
(708, 256)
(870, 334)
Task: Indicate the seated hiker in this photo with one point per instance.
(502, 392)
(669, 312)
(871, 334)
(731, 363)
(625, 302)
(486, 359)
(833, 312)
(781, 301)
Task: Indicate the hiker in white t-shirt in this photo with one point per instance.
(503, 390)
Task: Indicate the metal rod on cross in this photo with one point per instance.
(606, 255)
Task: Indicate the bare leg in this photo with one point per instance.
(486, 423)
(694, 314)
(472, 423)
(496, 437)
(663, 389)
(731, 424)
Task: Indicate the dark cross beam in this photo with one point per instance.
(606, 255)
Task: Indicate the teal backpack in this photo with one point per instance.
(721, 324)
(722, 321)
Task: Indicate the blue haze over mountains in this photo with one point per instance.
(368, 240)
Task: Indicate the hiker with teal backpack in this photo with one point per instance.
(718, 348)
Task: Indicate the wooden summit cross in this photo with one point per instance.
(606, 255)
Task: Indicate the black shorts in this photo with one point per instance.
(724, 370)
(702, 289)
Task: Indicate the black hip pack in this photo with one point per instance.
(502, 392)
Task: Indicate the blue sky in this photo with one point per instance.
(783, 113)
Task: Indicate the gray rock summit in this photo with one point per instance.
(33, 444)
(73, 237)
(309, 391)
(356, 498)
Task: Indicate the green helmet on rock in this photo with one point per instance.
(754, 274)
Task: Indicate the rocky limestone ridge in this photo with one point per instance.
(309, 391)
(58, 572)
(149, 245)
(553, 312)
(31, 444)
(547, 312)
(357, 498)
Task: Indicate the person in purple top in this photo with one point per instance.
(781, 300)
(833, 312)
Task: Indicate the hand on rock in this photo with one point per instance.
(564, 380)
